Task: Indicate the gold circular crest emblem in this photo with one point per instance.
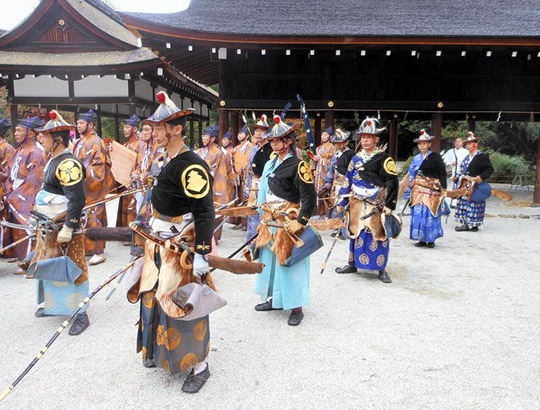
(359, 242)
(195, 181)
(305, 172)
(385, 244)
(374, 245)
(59, 284)
(172, 338)
(160, 339)
(390, 166)
(199, 331)
(380, 260)
(364, 259)
(189, 360)
(49, 300)
(69, 172)
(351, 166)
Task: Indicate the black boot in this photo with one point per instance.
(349, 268)
(474, 229)
(431, 245)
(296, 317)
(420, 244)
(462, 228)
(384, 277)
(194, 382)
(40, 312)
(266, 306)
(80, 324)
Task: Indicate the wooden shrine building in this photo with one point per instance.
(78, 55)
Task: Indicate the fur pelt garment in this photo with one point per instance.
(48, 248)
(172, 274)
(427, 191)
(283, 244)
(359, 208)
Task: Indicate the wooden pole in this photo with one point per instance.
(191, 128)
(234, 127)
(393, 143)
(472, 123)
(436, 131)
(329, 119)
(536, 195)
(116, 124)
(223, 118)
(317, 130)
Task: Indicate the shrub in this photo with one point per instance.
(506, 167)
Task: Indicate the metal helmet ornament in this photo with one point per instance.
(369, 127)
(56, 123)
(262, 123)
(167, 110)
(280, 128)
(423, 137)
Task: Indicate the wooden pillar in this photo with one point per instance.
(191, 129)
(116, 124)
(329, 119)
(536, 195)
(317, 130)
(208, 108)
(200, 122)
(223, 118)
(234, 127)
(436, 131)
(393, 143)
(472, 123)
(13, 114)
(99, 127)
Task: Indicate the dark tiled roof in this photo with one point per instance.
(424, 18)
(105, 8)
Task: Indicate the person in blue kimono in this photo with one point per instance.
(287, 187)
(371, 189)
(428, 175)
(476, 168)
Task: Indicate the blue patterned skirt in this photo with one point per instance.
(424, 226)
(470, 213)
(172, 344)
(367, 253)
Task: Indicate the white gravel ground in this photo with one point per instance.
(458, 328)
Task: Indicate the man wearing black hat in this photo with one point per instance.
(24, 180)
(241, 155)
(131, 132)
(260, 154)
(182, 202)
(94, 154)
(62, 192)
(219, 166)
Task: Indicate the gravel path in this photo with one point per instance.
(459, 327)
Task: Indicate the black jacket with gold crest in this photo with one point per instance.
(185, 185)
(381, 171)
(64, 175)
(292, 181)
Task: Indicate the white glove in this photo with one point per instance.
(200, 265)
(65, 234)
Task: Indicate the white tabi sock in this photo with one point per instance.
(199, 367)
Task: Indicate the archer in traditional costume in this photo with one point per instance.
(287, 186)
(428, 175)
(370, 193)
(219, 168)
(127, 213)
(475, 169)
(62, 283)
(171, 335)
(259, 155)
(241, 154)
(92, 151)
(22, 184)
(334, 180)
(324, 153)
